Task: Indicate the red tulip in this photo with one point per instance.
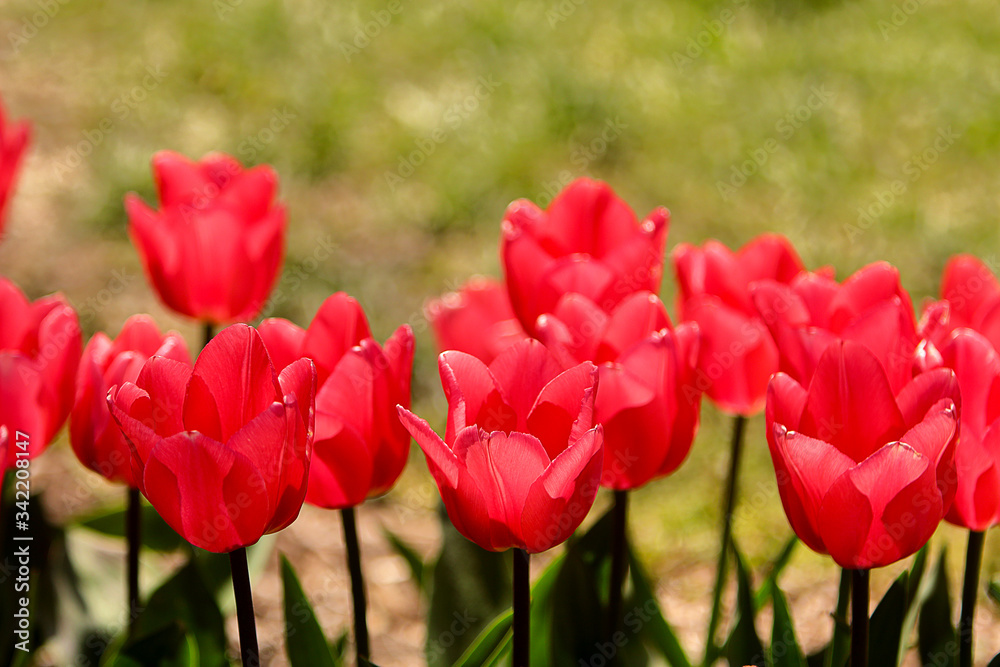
(221, 450)
(39, 352)
(214, 249)
(520, 463)
(648, 403)
(737, 354)
(13, 142)
(96, 439)
(813, 310)
(477, 319)
(865, 474)
(971, 294)
(588, 241)
(361, 447)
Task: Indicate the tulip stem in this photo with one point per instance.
(859, 618)
(973, 563)
(244, 607)
(839, 644)
(736, 449)
(133, 530)
(618, 562)
(209, 332)
(522, 609)
(357, 583)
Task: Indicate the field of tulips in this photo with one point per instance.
(690, 311)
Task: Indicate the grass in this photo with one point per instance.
(819, 106)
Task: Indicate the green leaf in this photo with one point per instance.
(839, 649)
(784, 651)
(156, 533)
(915, 585)
(886, 624)
(937, 637)
(184, 601)
(777, 566)
(412, 558)
(494, 636)
(994, 592)
(541, 612)
(647, 617)
(743, 647)
(469, 587)
(304, 639)
(169, 646)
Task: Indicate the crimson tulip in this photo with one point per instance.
(587, 241)
(477, 319)
(361, 448)
(39, 352)
(812, 311)
(214, 248)
(737, 354)
(221, 450)
(647, 404)
(520, 463)
(865, 473)
(972, 294)
(96, 439)
(13, 142)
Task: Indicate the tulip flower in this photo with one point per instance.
(222, 449)
(587, 241)
(96, 439)
(737, 354)
(214, 248)
(865, 473)
(13, 142)
(520, 463)
(39, 353)
(360, 448)
(647, 404)
(812, 311)
(477, 319)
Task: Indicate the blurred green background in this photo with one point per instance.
(863, 130)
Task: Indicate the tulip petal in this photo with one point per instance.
(133, 412)
(769, 256)
(339, 325)
(850, 403)
(970, 288)
(564, 408)
(925, 391)
(883, 510)
(340, 471)
(521, 373)
(587, 217)
(887, 329)
(633, 320)
(559, 500)
(472, 394)
(977, 370)
(210, 494)
(283, 340)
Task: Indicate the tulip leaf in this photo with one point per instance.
(995, 662)
(994, 592)
(469, 586)
(156, 534)
(185, 601)
(785, 650)
(304, 640)
(646, 616)
(770, 582)
(168, 646)
(837, 651)
(541, 612)
(937, 637)
(886, 624)
(412, 558)
(743, 647)
(490, 644)
(578, 614)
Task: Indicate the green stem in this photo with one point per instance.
(244, 607)
(619, 543)
(133, 529)
(840, 643)
(736, 448)
(522, 609)
(357, 583)
(209, 332)
(973, 563)
(859, 618)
